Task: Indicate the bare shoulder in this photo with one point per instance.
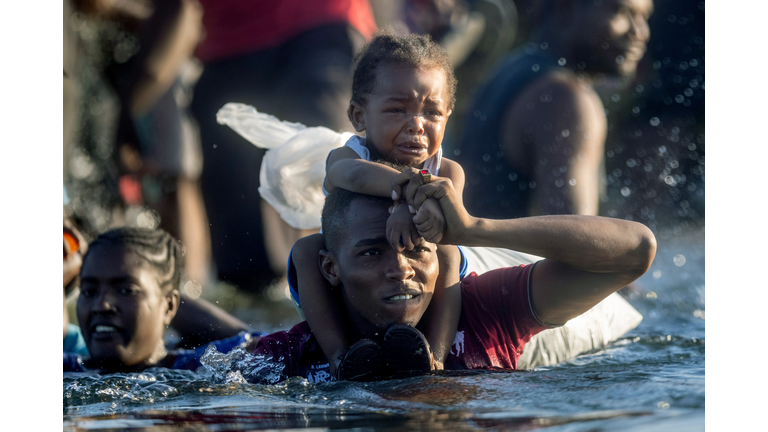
(558, 102)
(340, 153)
(559, 94)
(454, 171)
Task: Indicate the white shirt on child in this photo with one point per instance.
(357, 144)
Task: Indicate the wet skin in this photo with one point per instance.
(381, 286)
(122, 309)
(405, 115)
(611, 37)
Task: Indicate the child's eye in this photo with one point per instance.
(87, 291)
(396, 110)
(370, 252)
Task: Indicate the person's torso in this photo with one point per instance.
(495, 189)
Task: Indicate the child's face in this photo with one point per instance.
(122, 311)
(405, 115)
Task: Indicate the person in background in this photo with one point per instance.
(129, 294)
(533, 141)
(158, 145)
(289, 58)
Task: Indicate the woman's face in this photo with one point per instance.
(122, 310)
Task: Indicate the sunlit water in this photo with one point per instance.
(651, 379)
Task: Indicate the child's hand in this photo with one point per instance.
(400, 182)
(401, 232)
(429, 221)
(405, 185)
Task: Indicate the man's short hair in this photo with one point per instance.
(335, 215)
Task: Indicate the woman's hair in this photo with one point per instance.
(389, 48)
(155, 247)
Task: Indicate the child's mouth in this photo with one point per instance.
(415, 149)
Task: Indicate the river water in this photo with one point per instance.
(650, 379)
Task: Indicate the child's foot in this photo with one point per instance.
(407, 350)
(362, 362)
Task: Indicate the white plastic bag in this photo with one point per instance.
(293, 167)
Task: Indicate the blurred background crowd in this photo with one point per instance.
(143, 81)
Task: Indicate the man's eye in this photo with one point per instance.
(396, 110)
(370, 252)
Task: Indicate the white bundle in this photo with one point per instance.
(293, 167)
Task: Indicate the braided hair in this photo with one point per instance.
(154, 247)
(388, 47)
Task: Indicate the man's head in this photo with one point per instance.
(129, 293)
(598, 36)
(380, 286)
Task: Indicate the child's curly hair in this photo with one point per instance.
(388, 47)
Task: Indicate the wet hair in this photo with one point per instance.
(390, 48)
(155, 247)
(335, 216)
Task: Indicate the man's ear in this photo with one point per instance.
(356, 114)
(173, 299)
(328, 268)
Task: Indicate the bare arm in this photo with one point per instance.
(170, 37)
(346, 170)
(555, 133)
(321, 304)
(198, 321)
(441, 318)
(586, 257)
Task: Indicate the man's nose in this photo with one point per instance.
(639, 28)
(416, 124)
(400, 268)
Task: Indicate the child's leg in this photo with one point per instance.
(441, 318)
(322, 306)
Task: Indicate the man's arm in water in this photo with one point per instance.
(586, 257)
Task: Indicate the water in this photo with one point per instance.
(651, 379)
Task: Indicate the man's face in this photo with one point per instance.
(612, 35)
(122, 310)
(406, 114)
(381, 286)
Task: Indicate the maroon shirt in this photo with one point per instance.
(497, 319)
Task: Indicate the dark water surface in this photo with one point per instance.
(651, 379)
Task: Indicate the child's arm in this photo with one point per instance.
(405, 184)
(441, 318)
(321, 304)
(346, 170)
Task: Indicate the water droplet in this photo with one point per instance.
(572, 182)
(192, 290)
(655, 121)
(535, 68)
(605, 45)
(544, 46)
(615, 97)
(639, 89)
(657, 274)
(679, 260)
(620, 59)
(625, 192)
(565, 133)
(651, 295)
(561, 61)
